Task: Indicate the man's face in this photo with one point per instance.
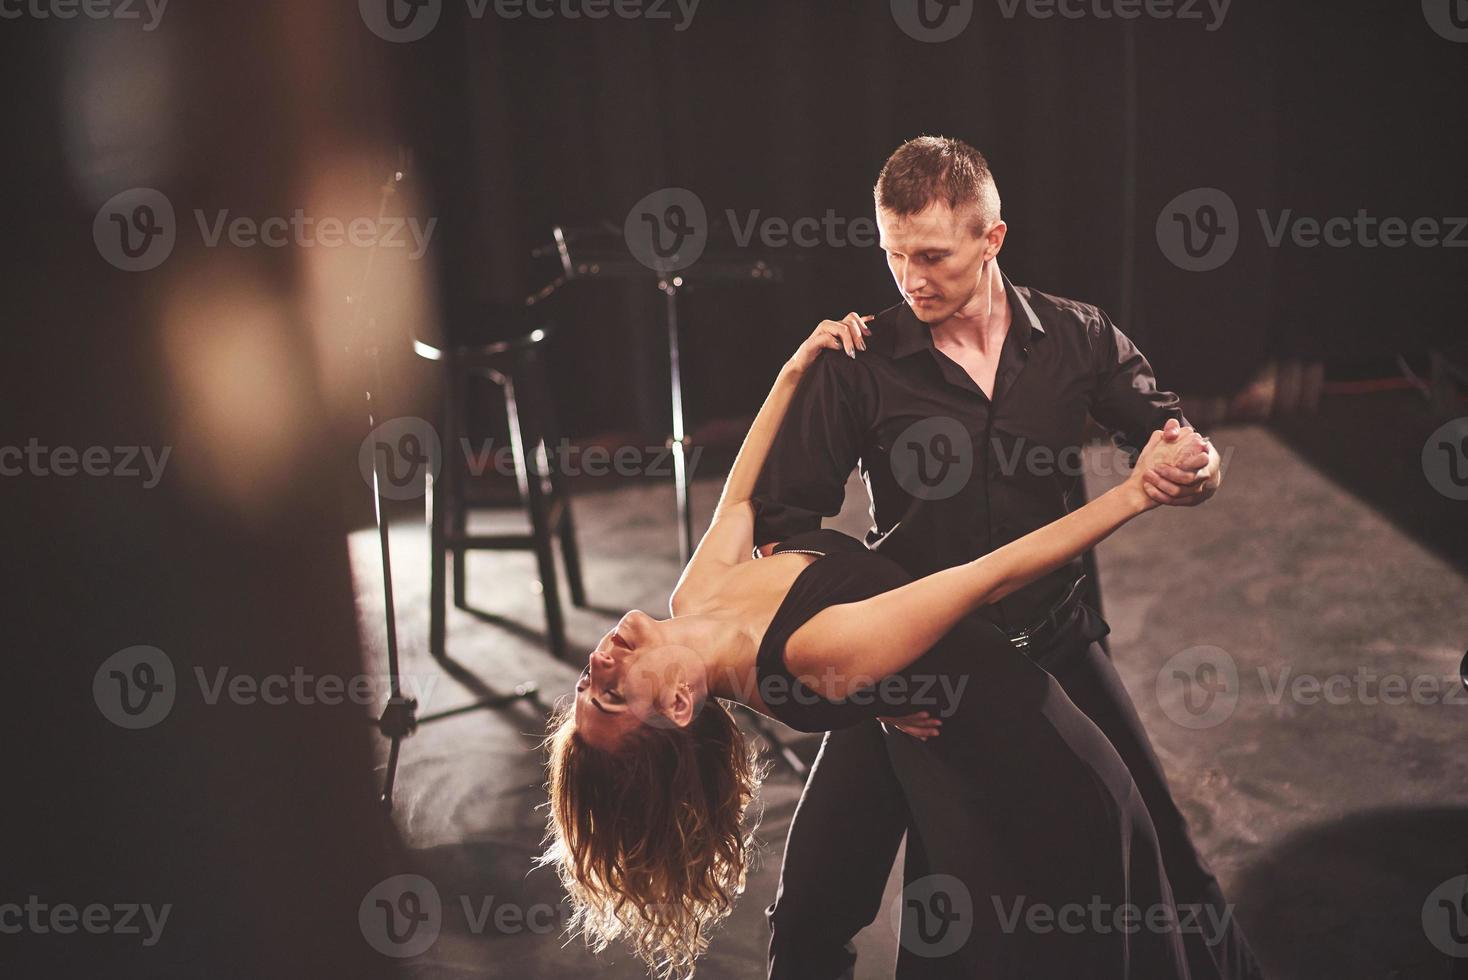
(935, 257)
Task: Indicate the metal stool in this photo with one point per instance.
(516, 366)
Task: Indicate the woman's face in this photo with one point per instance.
(631, 678)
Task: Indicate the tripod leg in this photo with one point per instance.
(391, 778)
(458, 481)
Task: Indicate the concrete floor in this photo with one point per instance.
(1329, 817)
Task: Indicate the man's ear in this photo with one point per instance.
(994, 239)
(680, 706)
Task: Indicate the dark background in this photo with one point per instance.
(253, 824)
(1091, 126)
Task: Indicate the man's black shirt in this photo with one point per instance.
(953, 475)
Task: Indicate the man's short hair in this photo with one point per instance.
(933, 168)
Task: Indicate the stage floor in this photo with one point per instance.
(1329, 799)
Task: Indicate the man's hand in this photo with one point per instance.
(919, 725)
(1181, 486)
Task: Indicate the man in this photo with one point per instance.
(965, 407)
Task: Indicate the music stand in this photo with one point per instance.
(601, 253)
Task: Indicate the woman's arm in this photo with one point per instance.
(871, 639)
(730, 537)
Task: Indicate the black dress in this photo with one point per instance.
(1042, 860)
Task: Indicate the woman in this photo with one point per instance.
(650, 777)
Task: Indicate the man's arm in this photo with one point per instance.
(1129, 404)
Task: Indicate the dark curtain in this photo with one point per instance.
(1091, 125)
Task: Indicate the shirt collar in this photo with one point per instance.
(914, 335)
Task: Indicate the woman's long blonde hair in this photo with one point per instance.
(649, 838)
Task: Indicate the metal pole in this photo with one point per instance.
(679, 441)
